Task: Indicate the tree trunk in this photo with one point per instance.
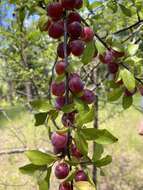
(29, 91)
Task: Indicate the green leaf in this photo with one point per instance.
(95, 4)
(45, 184)
(88, 53)
(31, 168)
(112, 5)
(40, 118)
(101, 49)
(98, 150)
(86, 4)
(125, 11)
(22, 14)
(41, 105)
(127, 101)
(100, 136)
(128, 79)
(68, 108)
(103, 162)
(81, 143)
(133, 48)
(71, 175)
(115, 94)
(42, 23)
(90, 179)
(85, 117)
(80, 105)
(40, 10)
(84, 185)
(40, 158)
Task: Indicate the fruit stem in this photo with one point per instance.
(67, 86)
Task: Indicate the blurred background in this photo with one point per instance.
(26, 59)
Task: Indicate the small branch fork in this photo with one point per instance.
(129, 27)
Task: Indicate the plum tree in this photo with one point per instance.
(76, 103)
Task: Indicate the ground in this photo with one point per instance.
(125, 173)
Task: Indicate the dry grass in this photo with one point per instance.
(124, 173)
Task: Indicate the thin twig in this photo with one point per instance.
(129, 27)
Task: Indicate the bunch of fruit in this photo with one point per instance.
(66, 24)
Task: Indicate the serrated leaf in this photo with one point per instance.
(39, 158)
(88, 53)
(128, 79)
(100, 136)
(127, 101)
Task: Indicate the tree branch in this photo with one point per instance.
(129, 27)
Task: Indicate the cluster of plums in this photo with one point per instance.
(77, 33)
(110, 57)
(63, 13)
(62, 169)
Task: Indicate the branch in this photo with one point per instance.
(14, 151)
(19, 151)
(129, 27)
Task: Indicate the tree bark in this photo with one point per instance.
(29, 91)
